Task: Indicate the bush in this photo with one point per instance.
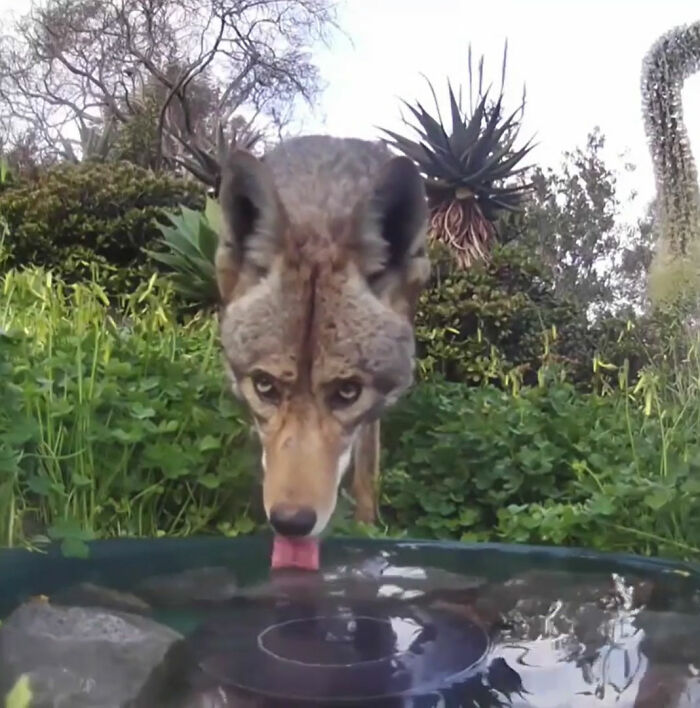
(550, 465)
(92, 221)
(498, 316)
(115, 424)
(117, 421)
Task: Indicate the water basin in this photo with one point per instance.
(203, 623)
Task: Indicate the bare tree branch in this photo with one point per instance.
(70, 66)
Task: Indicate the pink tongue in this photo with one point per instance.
(295, 553)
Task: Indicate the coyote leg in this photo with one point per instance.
(366, 473)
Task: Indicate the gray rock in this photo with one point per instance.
(199, 585)
(78, 657)
(91, 595)
(670, 636)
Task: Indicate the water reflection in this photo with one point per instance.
(389, 634)
(553, 640)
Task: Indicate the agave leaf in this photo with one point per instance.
(514, 189)
(481, 75)
(507, 205)
(212, 211)
(438, 153)
(471, 82)
(459, 135)
(425, 158)
(180, 224)
(485, 171)
(508, 124)
(178, 239)
(166, 258)
(506, 167)
(474, 126)
(202, 175)
(410, 148)
(179, 243)
(205, 267)
(433, 130)
(484, 145)
(191, 220)
(434, 95)
(208, 242)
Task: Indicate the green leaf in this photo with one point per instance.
(209, 481)
(74, 548)
(20, 695)
(658, 498)
(209, 442)
(142, 412)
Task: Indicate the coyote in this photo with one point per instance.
(320, 263)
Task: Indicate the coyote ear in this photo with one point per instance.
(395, 218)
(393, 229)
(253, 218)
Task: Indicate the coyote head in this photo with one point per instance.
(320, 263)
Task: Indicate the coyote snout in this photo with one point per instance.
(304, 463)
(319, 267)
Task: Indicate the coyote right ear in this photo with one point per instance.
(253, 217)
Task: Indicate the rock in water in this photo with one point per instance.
(92, 595)
(79, 657)
(190, 587)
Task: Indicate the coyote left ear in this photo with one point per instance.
(253, 218)
(393, 228)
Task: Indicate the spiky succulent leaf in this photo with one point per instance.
(468, 169)
(473, 158)
(190, 245)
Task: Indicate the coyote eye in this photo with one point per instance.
(346, 393)
(266, 387)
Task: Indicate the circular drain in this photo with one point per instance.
(348, 657)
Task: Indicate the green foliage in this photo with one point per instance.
(573, 223)
(549, 465)
(92, 221)
(138, 140)
(96, 143)
(192, 241)
(500, 317)
(115, 421)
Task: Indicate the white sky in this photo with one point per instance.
(580, 60)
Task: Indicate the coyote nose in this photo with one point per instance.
(290, 520)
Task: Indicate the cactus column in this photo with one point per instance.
(671, 60)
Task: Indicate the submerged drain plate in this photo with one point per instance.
(345, 656)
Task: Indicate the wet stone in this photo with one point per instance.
(79, 657)
(91, 595)
(670, 636)
(213, 584)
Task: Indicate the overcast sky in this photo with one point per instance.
(580, 60)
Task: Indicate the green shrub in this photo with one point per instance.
(115, 424)
(116, 420)
(499, 316)
(551, 465)
(92, 220)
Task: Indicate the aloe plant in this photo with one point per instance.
(467, 168)
(190, 241)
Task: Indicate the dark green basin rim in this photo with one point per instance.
(115, 549)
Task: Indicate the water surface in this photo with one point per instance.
(394, 624)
